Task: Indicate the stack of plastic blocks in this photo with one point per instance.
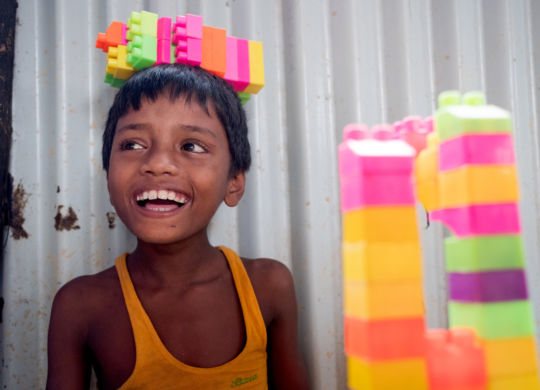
(382, 272)
(147, 40)
(478, 201)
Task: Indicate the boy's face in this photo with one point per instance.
(169, 170)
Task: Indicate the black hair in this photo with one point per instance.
(193, 83)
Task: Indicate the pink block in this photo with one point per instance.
(164, 28)
(243, 63)
(187, 36)
(163, 52)
(355, 131)
(500, 218)
(370, 190)
(476, 149)
(374, 180)
(232, 67)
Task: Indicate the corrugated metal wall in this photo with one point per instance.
(327, 63)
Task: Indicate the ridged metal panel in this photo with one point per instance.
(327, 63)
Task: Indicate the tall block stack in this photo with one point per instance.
(147, 40)
(382, 272)
(477, 198)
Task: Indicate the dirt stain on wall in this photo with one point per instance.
(65, 222)
(16, 220)
(111, 217)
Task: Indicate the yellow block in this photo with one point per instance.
(505, 357)
(478, 184)
(117, 64)
(256, 67)
(516, 382)
(383, 300)
(427, 193)
(409, 374)
(389, 223)
(382, 261)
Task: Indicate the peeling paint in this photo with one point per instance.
(65, 222)
(18, 203)
(111, 219)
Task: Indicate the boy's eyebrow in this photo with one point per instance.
(194, 128)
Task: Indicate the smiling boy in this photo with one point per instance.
(176, 312)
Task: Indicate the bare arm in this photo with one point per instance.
(68, 362)
(286, 368)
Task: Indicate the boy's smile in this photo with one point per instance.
(169, 169)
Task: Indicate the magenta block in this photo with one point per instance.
(163, 41)
(187, 36)
(236, 74)
(243, 62)
(499, 218)
(476, 149)
(488, 286)
(375, 179)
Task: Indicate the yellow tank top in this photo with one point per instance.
(157, 368)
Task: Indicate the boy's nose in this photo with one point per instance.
(159, 162)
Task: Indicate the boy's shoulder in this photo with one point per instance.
(272, 282)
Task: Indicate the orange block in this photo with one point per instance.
(375, 340)
(214, 50)
(115, 35)
(455, 360)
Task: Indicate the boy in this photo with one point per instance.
(176, 312)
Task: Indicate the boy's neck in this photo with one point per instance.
(180, 263)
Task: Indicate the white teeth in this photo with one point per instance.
(162, 194)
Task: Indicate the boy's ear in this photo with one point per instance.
(235, 189)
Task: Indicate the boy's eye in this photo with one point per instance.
(130, 145)
(192, 147)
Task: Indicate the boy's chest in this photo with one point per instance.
(203, 327)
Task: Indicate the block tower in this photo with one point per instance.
(382, 271)
(147, 40)
(466, 178)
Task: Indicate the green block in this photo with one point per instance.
(142, 23)
(244, 97)
(493, 320)
(142, 52)
(484, 253)
(471, 116)
(110, 79)
(173, 53)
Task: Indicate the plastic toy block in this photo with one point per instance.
(355, 131)
(244, 97)
(117, 65)
(382, 262)
(114, 82)
(426, 174)
(383, 132)
(455, 360)
(163, 41)
(142, 23)
(214, 50)
(237, 73)
(378, 340)
(484, 253)
(413, 131)
(472, 116)
(393, 223)
(114, 36)
(478, 184)
(513, 356)
(488, 286)
(256, 67)
(510, 319)
(187, 36)
(409, 374)
(375, 301)
(521, 382)
(479, 149)
(142, 51)
(501, 218)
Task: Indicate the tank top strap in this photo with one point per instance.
(254, 322)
